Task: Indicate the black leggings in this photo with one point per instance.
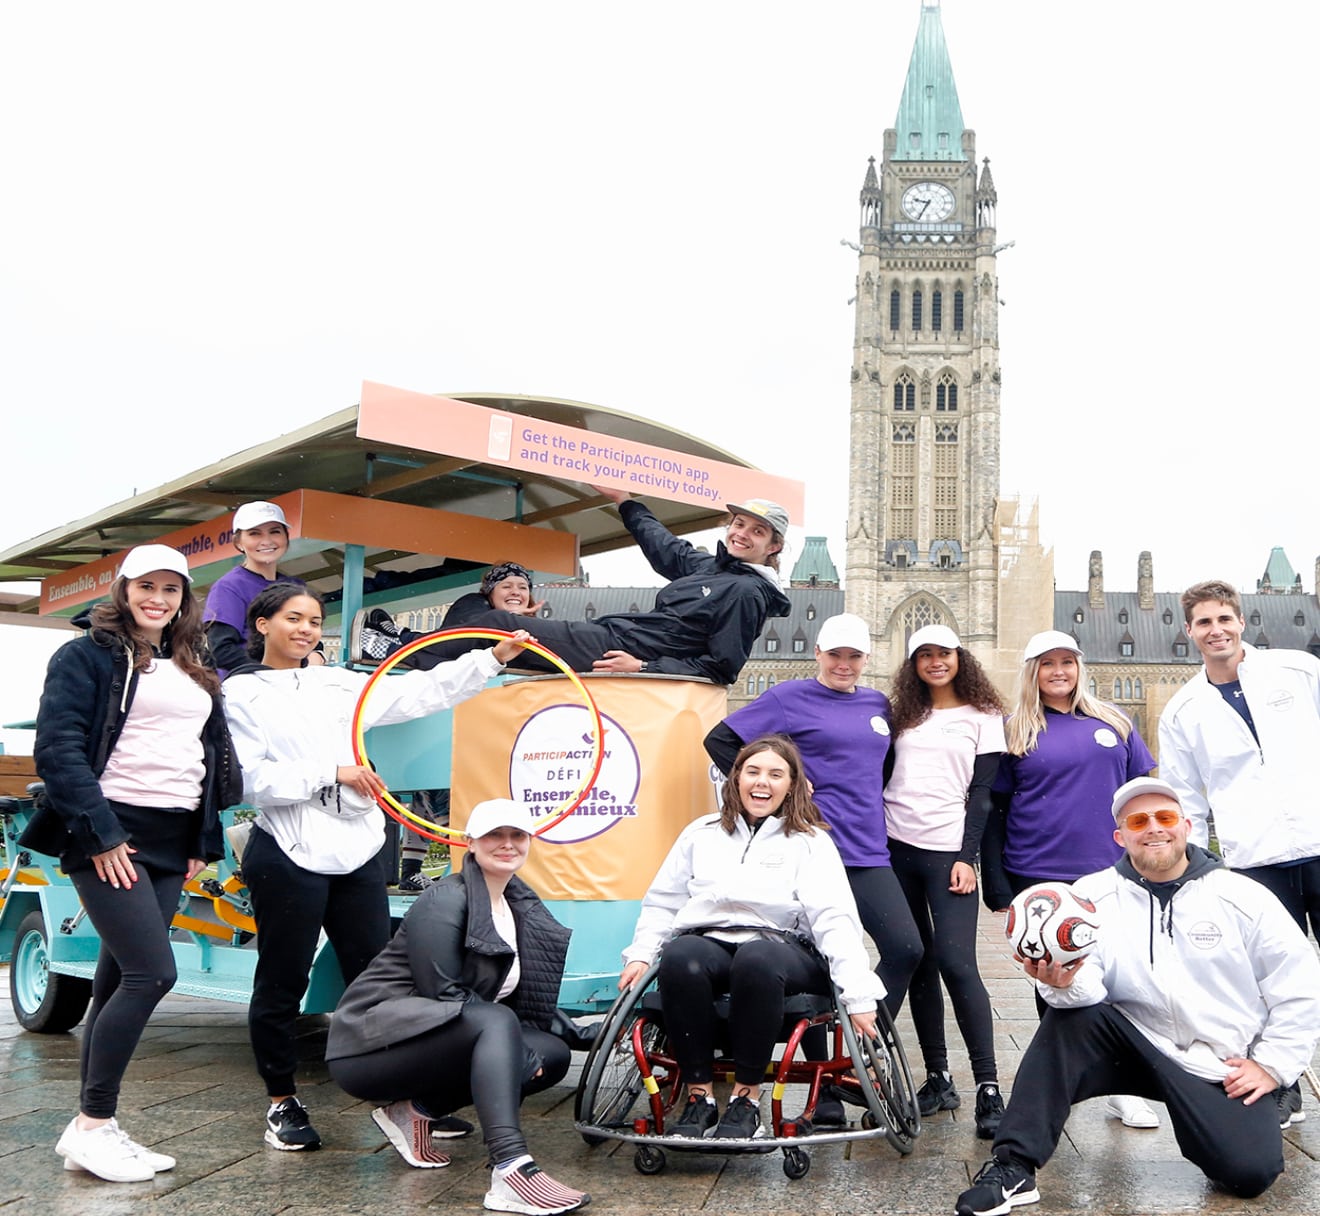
(757, 975)
(134, 971)
(947, 923)
(485, 1057)
(886, 917)
(1297, 888)
(291, 905)
(578, 643)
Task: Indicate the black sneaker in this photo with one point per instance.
(698, 1118)
(1289, 1098)
(998, 1188)
(742, 1121)
(989, 1111)
(288, 1128)
(937, 1094)
(829, 1111)
(372, 636)
(414, 884)
(450, 1127)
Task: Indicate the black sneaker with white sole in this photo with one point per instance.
(697, 1120)
(288, 1127)
(741, 1121)
(372, 636)
(998, 1188)
(1289, 1098)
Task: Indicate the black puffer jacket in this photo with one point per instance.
(86, 698)
(447, 952)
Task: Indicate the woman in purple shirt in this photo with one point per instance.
(1067, 754)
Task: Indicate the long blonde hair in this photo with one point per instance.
(1022, 730)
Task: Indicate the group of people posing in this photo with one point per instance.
(844, 812)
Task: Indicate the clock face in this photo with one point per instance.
(928, 202)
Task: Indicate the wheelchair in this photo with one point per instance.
(631, 1085)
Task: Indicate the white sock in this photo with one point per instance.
(509, 1166)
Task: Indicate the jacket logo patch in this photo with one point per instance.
(1280, 700)
(1106, 737)
(1205, 935)
(705, 591)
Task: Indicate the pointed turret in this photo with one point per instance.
(929, 125)
(871, 197)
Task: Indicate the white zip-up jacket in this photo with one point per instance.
(293, 729)
(764, 880)
(1265, 797)
(1218, 970)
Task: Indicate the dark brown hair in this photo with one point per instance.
(797, 811)
(181, 639)
(910, 697)
(266, 604)
(1215, 589)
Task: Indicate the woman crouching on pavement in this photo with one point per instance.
(457, 1011)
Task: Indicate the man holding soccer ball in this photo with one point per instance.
(1202, 993)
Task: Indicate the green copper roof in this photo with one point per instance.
(929, 125)
(1278, 570)
(815, 563)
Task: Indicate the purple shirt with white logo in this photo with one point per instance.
(1060, 824)
(843, 738)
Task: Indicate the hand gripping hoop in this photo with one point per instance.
(452, 836)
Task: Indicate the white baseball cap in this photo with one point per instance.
(933, 635)
(844, 632)
(1051, 639)
(253, 514)
(499, 813)
(1138, 786)
(146, 558)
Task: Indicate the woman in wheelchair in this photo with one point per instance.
(752, 902)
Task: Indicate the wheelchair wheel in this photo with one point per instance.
(885, 1081)
(648, 1159)
(611, 1078)
(796, 1163)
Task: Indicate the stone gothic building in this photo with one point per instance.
(929, 538)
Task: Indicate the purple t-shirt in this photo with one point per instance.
(1060, 825)
(843, 738)
(230, 595)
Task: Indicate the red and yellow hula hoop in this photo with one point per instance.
(452, 836)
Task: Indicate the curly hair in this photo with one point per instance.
(910, 697)
(797, 811)
(182, 639)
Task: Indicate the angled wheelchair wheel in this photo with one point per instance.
(885, 1081)
(608, 1094)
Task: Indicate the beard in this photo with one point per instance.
(1159, 863)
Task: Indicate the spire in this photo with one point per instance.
(871, 197)
(985, 189)
(929, 125)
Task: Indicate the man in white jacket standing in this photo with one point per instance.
(1202, 994)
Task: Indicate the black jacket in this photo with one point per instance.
(707, 619)
(89, 688)
(447, 952)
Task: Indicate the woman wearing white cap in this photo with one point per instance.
(704, 622)
(132, 746)
(1067, 754)
(949, 735)
(314, 859)
(458, 1010)
(261, 535)
(842, 730)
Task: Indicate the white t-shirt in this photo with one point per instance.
(157, 759)
(926, 798)
(506, 927)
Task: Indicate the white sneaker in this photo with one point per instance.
(532, 1192)
(1133, 1111)
(104, 1151)
(160, 1162)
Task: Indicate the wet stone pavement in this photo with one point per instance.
(192, 1092)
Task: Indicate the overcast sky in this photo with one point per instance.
(220, 219)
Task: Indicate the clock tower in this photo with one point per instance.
(924, 513)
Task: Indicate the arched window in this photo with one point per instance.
(751, 686)
(1138, 692)
(905, 393)
(1091, 688)
(760, 683)
(1127, 690)
(936, 310)
(946, 394)
(1122, 616)
(916, 310)
(1168, 617)
(1079, 616)
(895, 310)
(811, 612)
(1255, 618)
(958, 311)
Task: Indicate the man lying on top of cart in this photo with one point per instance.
(703, 625)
